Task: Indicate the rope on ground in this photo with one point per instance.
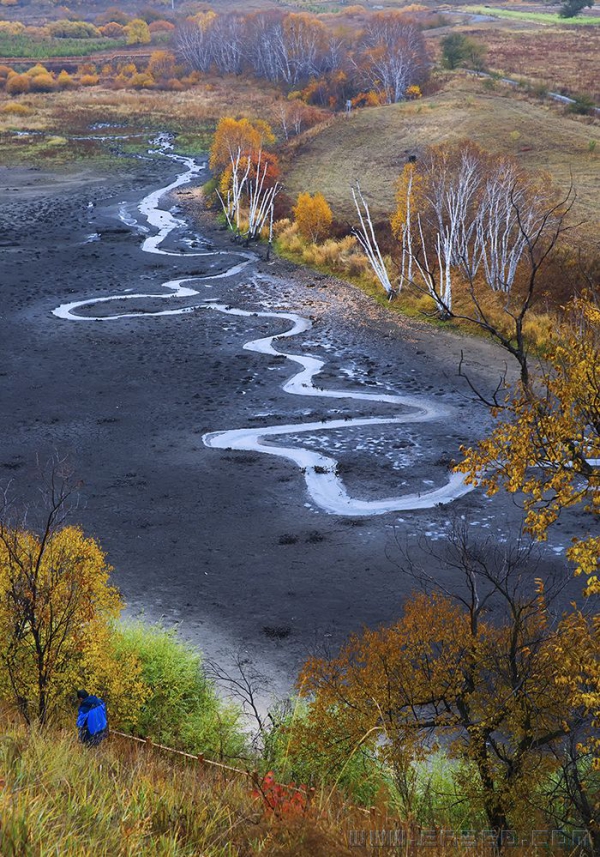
(254, 775)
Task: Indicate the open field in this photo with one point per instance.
(537, 17)
(561, 60)
(373, 144)
(192, 115)
(24, 46)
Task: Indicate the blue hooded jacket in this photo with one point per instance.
(92, 714)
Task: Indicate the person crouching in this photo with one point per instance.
(92, 722)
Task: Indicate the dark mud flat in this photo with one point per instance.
(227, 545)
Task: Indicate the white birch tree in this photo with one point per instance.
(367, 238)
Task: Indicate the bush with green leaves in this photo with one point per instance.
(571, 8)
(359, 775)
(182, 709)
(73, 30)
(460, 51)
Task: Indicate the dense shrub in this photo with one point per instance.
(182, 709)
(17, 84)
(112, 30)
(73, 30)
(138, 32)
(43, 83)
(65, 81)
(16, 109)
(11, 28)
(142, 80)
(113, 13)
(161, 27)
(161, 65)
(38, 68)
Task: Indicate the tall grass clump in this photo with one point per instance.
(58, 798)
(342, 256)
(182, 708)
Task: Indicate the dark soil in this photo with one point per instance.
(226, 545)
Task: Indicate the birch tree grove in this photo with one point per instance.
(474, 231)
(261, 198)
(392, 56)
(386, 55)
(248, 181)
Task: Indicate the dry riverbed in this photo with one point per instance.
(227, 545)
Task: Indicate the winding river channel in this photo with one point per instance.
(325, 487)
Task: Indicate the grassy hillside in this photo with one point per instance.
(126, 800)
(57, 797)
(372, 145)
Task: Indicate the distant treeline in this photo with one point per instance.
(385, 55)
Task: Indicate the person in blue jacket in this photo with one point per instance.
(92, 722)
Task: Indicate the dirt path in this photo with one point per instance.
(227, 545)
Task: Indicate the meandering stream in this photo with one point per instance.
(325, 487)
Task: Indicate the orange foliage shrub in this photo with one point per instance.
(16, 109)
(43, 83)
(113, 14)
(65, 81)
(11, 28)
(162, 65)
(17, 84)
(142, 80)
(89, 79)
(161, 27)
(36, 70)
(87, 68)
(112, 30)
(367, 99)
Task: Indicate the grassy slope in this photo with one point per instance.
(372, 146)
(123, 800)
(57, 797)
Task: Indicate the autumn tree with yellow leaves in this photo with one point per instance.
(56, 610)
(313, 216)
(546, 445)
(247, 174)
(485, 670)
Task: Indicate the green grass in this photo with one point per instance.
(25, 46)
(62, 799)
(536, 17)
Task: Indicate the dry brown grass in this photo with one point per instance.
(343, 256)
(193, 112)
(121, 800)
(559, 59)
(373, 144)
